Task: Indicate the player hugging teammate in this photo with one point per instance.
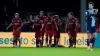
(57, 31)
(49, 27)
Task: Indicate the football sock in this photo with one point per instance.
(50, 40)
(55, 40)
(88, 42)
(46, 39)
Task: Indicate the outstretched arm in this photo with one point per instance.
(9, 26)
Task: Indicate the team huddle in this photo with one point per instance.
(50, 26)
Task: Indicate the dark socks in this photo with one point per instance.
(88, 42)
(46, 39)
(70, 42)
(93, 39)
(55, 40)
(42, 39)
(37, 42)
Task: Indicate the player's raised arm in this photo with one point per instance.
(9, 26)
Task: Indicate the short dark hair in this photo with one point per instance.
(91, 3)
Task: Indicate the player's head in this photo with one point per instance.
(91, 5)
(56, 17)
(41, 13)
(70, 15)
(16, 15)
(31, 16)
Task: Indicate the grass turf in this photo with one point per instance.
(48, 52)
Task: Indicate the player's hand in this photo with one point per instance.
(96, 10)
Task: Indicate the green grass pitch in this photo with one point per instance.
(48, 52)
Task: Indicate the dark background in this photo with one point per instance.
(60, 7)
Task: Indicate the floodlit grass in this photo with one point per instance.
(48, 52)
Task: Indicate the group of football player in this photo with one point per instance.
(50, 25)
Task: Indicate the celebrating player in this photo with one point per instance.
(91, 28)
(17, 24)
(39, 26)
(57, 32)
(50, 24)
(42, 18)
(71, 26)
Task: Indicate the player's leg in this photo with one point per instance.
(14, 41)
(18, 38)
(93, 36)
(50, 37)
(46, 40)
(74, 40)
(57, 39)
(39, 35)
(70, 41)
(50, 41)
(37, 41)
(88, 41)
(55, 36)
(47, 34)
(42, 40)
(89, 36)
(93, 39)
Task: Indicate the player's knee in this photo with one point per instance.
(94, 35)
(91, 40)
(89, 36)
